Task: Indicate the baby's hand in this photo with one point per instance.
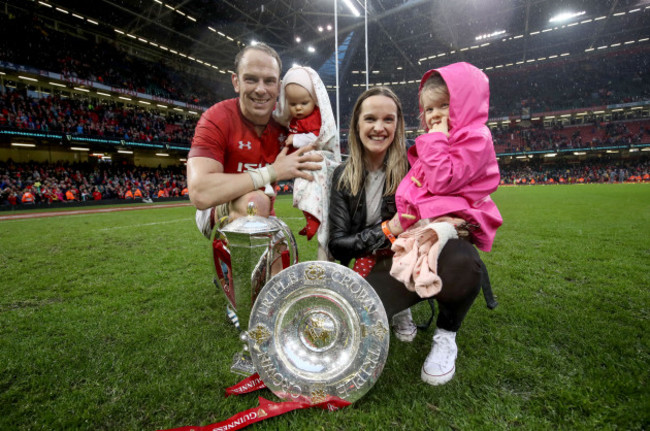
(289, 141)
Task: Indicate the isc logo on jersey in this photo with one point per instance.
(243, 167)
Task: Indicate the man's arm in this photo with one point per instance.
(206, 183)
(209, 186)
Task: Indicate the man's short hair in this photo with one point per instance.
(259, 46)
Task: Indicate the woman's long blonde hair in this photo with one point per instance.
(395, 162)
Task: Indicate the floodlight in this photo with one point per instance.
(350, 6)
(565, 16)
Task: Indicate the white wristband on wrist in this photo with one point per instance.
(262, 176)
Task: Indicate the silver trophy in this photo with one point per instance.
(244, 253)
(312, 331)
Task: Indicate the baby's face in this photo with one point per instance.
(299, 100)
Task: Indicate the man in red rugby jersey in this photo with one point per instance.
(238, 148)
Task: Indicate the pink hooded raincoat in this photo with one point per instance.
(456, 174)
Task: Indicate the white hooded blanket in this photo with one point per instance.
(313, 196)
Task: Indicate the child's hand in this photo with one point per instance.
(441, 126)
(395, 226)
(289, 141)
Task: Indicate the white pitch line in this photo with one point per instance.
(131, 226)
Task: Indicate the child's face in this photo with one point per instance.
(299, 100)
(435, 105)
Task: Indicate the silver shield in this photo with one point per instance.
(318, 329)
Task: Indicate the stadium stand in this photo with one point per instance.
(611, 171)
(560, 106)
(49, 183)
(103, 62)
(83, 118)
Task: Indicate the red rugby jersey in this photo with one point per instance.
(225, 135)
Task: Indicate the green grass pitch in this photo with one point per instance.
(110, 321)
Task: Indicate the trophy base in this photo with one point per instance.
(242, 364)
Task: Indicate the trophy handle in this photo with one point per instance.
(221, 262)
(292, 246)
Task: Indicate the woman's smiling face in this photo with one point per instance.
(377, 125)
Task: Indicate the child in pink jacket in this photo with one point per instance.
(447, 191)
(453, 171)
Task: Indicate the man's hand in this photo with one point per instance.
(296, 164)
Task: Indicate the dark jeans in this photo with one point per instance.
(459, 267)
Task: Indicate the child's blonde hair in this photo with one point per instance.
(434, 84)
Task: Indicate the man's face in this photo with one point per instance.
(258, 83)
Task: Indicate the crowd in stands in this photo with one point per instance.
(32, 183)
(597, 134)
(79, 117)
(23, 184)
(540, 87)
(583, 82)
(611, 171)
(600, 79)
(81, 57)
(570, 83)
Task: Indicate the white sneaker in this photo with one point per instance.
(440, 365)
(203, 222)
(404, 327)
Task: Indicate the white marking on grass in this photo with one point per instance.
(131, 226)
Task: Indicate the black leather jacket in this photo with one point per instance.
(349, 237)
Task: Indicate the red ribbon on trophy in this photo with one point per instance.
(266, 409)
(249, 384)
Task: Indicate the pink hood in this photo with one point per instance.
(469, 95)
(455, 175)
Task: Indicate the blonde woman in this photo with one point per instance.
(362, 201)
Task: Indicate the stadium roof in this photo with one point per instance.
(405, 37)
